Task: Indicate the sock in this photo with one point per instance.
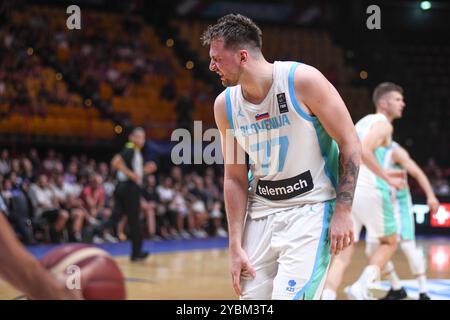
(422, 283)
(328, 294)
(370, 274)
(415, 257)
(392, 276)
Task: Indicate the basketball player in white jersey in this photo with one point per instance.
(372, 205)
(290, 121)
(398, 158)
(25, 273)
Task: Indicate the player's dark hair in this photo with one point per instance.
(384, 88)
(236, 30)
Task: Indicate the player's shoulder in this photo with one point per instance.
(220, 109)
(220, 100)
(307, 77)
(306, 72)
(220, 103)
(399, 151)
(375, 120)
(382, 126)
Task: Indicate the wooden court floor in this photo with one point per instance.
(203, 274)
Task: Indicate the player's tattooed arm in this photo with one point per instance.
(348, 175)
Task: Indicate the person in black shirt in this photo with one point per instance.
(130, 168)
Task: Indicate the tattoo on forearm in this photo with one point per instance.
(348, 175)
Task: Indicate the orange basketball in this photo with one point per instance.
(101, 277)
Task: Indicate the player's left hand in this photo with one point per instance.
(341, 230)
(433, 204)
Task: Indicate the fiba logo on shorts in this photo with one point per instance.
(73, 281)
(291, 286)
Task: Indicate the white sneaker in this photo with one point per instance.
(202, 233)
(92, 221)
(221, 233)
(185, 235)
(97, 240)
(360, 289)
(198, 233)
(355, 292)
(109, 238)
(328, 294)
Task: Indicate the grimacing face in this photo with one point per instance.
(225, 62)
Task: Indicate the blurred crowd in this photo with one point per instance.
(117, 66)
(48, 199)
(52, 199)
(90, 58)
(27, 86)
(439, 177)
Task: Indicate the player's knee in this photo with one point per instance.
(389, 240)
(371, 247)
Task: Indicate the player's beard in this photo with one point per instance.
(398, 114)
(228, 83)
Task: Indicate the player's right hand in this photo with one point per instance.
(397, 183)
(239, 265)
(341, 229)
(396, 178)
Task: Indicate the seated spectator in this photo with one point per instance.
(198, 199)
(72, 204)
(177, 175)
(214, 206)
(440, 184)
(15, 165)
(18, 209)
(93, 196)
(34, 158)
(181, 207)
(149, 204)
(51, 162)
(28, 172)
(5, 162)
(46, 206)
(165, 216)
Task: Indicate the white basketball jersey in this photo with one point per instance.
(388, 162)
(366, 177)
(293, 160)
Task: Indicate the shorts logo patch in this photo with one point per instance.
(286, 188)
(291, 286)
